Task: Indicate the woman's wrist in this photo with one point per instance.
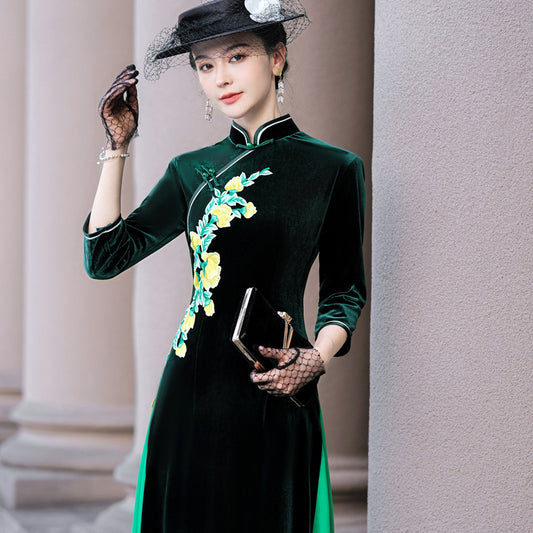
(325, 349)
(109, 155)
(120, 150)
(329, 341)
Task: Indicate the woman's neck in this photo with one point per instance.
(251, 122)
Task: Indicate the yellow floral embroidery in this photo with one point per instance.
(250, 210)
(195, 240)
(223, 214)
(219, 212)
(188, 322)
(181, 350)
(210, 275)
(234, 184)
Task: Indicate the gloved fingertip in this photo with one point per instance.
(130, 67)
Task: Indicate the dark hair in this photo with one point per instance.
(270, 35)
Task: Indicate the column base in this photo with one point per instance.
(350, 517)
(10, 383)
(7, 429)
(116, 519)
(8, 524)
(84, 452)
(7, 403)
(349, 476)
(349, 482)
(28, 487)
(127, 471)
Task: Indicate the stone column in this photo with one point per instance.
(12, 78)
(77, 410)
(451, 366)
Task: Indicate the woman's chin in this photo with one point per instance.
(233, 111)
(245, 109)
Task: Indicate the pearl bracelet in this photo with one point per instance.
(102, 157)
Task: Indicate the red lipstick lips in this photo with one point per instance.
(230, 98)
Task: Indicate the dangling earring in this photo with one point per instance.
(208, 110)
(281, 89)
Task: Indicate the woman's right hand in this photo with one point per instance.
(294, 368)
(119, 109)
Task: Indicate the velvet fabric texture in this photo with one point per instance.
(222, 455)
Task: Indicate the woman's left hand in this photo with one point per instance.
(119, 109)
(295, 368)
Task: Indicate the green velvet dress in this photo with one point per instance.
(220, 454)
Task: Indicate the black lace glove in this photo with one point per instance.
(119, 109)
(295, 367)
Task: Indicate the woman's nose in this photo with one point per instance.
(222, 77)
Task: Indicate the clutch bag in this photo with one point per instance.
(257, 323)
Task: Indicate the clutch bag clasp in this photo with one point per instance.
(287, 334)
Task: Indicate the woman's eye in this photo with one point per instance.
(237, 57)
(205, 67)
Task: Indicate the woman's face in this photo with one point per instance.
(237, 74)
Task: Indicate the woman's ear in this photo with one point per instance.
(278, 58)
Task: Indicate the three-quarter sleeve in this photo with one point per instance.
(160, 218)
(342, 292)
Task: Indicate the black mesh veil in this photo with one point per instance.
(219, 18)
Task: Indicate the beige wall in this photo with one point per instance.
(451, 367)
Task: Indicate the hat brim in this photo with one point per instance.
(186, 47)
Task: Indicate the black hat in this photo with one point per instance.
(218, 18)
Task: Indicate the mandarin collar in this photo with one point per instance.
(272, 130)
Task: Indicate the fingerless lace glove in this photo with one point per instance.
(295, 368)
(119, 109)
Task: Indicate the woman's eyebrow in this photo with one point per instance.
(227, 50)
(233, 46)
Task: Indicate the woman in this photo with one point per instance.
(226, 449)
